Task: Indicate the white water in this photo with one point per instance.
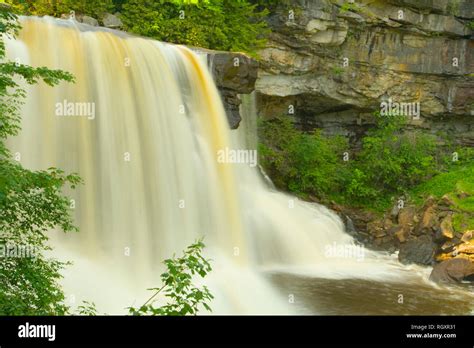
(152, 181)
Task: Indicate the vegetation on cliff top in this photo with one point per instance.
(228, 25)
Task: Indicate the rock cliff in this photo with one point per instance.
(330, 64)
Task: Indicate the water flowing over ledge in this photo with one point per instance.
(153, 183)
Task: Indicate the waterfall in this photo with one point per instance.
(142, 125)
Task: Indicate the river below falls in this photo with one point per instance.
(367, 297)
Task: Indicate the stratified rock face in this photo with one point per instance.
(336, 63)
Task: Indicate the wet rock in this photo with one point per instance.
(350, 228)
(234, 74)
(452, 271)
(467, 236)
(401, 234)
(447, 230)
(231, 106)
(449, 245)
(428, 221)
(90, 21)
(466, 248)
(375, 228)
(234, 71)
(419, 250)
(112, 21)
(394, 212)
(406, 216)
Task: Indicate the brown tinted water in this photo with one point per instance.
(368, 297)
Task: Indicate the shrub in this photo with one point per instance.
(31, 202)
(391, 161)
(227, 25)
(301, 163)
(184, 297)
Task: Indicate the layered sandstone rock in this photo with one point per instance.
(335, 63)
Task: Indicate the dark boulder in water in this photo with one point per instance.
(419, 250)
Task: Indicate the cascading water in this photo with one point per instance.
(146, 147)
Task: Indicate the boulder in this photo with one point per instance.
(406, 216)
(234, 74)
(234, 71)
(452, 271)
(112, 21)
(467, 236)
(375, 228)
(466, 248)
(394, 212)
(419, 250)
(446, 226)
(90, 21)
(401, 234)
(428, 222)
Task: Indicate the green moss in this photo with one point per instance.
(470, 25)
(452, 183)
(455, 180)
(337, 70)
(350, 6)
(453, 7)
(462, 222)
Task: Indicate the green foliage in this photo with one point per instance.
(95, 8)
(391, 161)
(350, 6)
(463, 222)
(457, 179)
(184, 297)
(458, 184)
(31, 202)
(230, 25)
(298, 162)
(87, 308)
(337, 70)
